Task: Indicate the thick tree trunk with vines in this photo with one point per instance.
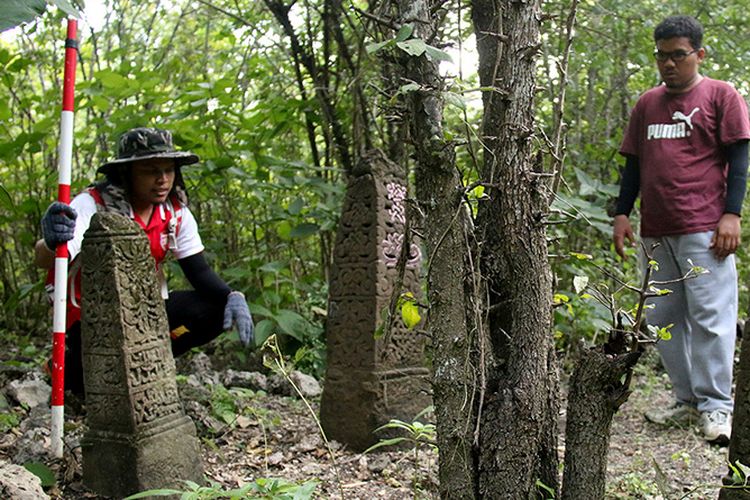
(518, 419)
(597, 391)
(447, 239)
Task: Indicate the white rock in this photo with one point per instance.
(250, 380)
(32, 446)
(276, 458)
(309, 442)
(307, 385)
(29, 392)
(17, 483)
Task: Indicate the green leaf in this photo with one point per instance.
(5, 198)
(547, 489)
(304, 230)
(404, 32)
(284, 230)
(274, 266)
(305, 491)
(67, 7)
(111, 80)
(292, 323)
(744, 469)
(5, 112)
(385, 442)
(455, 100)
(260, 310)
(263, 330)
(153, 493)
(41, 471)
(15, 12)
(414, 47)
(410, 314)
(409, 87)
(295, 207)
(436, 54)
(372, 48)
(661, 333)
(580, 283)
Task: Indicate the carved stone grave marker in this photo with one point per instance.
(138, 437)
(370, 381)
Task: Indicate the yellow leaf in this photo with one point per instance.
(581, 256)
(410, 314)
(560, 298)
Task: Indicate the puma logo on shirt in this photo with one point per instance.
(679, 115)
(677, 130)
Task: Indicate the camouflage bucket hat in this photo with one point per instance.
(144, 144)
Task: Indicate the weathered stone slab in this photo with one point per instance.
(138, 437)
(370, 381)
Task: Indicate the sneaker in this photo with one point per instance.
(717, 426)
(675, 414)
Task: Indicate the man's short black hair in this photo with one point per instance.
(678, 26)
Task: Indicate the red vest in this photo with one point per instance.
(161, 230)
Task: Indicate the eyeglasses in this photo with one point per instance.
(676, 56)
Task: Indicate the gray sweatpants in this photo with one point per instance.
(700, 354)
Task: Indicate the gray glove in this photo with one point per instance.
(58, 224)
(236, 312)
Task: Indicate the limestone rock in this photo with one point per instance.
(200, 366)
(378, 463)
(249, 380)
(307, 385)
(17, 483)
(33, 446)
(29, 391)
(277, 384)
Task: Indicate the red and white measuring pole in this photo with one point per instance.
(65, 155)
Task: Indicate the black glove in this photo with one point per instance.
(237, 312)
(58, 224)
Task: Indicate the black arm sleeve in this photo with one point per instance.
(630, 185)
(205, 281)
(736, 177)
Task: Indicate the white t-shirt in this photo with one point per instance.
(187, 242)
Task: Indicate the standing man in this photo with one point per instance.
(686, 151)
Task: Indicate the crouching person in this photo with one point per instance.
(145, 184)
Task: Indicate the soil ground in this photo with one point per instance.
(644, 456)
(276, 437)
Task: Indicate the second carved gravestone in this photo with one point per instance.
(138, 436)
(370, 381)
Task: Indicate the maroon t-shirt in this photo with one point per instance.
(678, 140)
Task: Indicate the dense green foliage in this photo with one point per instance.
(267, 194)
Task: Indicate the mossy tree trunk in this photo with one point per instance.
(518, 439)
(447, 235)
